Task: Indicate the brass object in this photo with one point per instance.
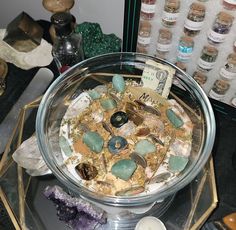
(55, 6)
(3, 74)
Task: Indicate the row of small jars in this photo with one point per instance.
(172, 7)
(221, 86)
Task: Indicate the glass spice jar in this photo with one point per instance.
(220, 28)
(141, 49)
(200, 77)
(228, 71)
(185, 49)
(229, 4)
(208, 57)
(144, 34)
(148, 8)
(171, 12)
(195, 19)
(164, 42)
(219, 89)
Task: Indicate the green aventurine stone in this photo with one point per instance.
(65, 146)
(94, 141)
(108, 104)
(124, 169)
(144, 147)
(118, 83)
(94, 94)
(177, 163)
(176, 121)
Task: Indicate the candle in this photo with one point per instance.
(150, 223)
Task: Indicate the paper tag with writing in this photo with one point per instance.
(158, 77)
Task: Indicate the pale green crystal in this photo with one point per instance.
(65, 146)
(118, 83)
(108, 104)
(94, 94)
(94, 141)
(174, 118)
(124, 169)
(144, 147)
(177, 163)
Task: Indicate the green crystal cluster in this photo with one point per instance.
(95, 42)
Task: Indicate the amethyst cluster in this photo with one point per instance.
(76, 212)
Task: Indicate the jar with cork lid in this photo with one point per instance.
(219, 88)
(164, 42)
(229, 4)
(228, 71)
(148, 8)
(171, 12)
(208, 58)
(220, 28)
(144, 33)
(195, 19)
(185, 49)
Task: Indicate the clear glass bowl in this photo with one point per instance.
(95, 71)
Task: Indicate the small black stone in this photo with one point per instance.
(118, 119)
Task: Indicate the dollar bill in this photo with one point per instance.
(158, 77)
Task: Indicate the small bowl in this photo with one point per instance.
(90, 73)
(150, 223)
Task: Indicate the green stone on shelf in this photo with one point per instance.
(177, 163)
(176, 121)
(65, 146)
(94, 141)
(144, 147)
(124, 169)
(118, 83)
(108, 104)
(95, 42)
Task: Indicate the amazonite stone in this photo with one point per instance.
(118, 83)
(94, 94)
(65, 146)
(108, 104)
(124, 169)
(144, 147)
(177, 163)
(176, 121)
(94, 141)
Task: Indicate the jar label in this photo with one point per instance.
(215, 95)
(191, 25)
(184, 53)
(227, 74)
(170, 17)
(163, 47)
(147, 8)
(216, 37)
(233, 2)
(205, 65)
(144, 40)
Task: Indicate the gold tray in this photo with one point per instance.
(189, 210)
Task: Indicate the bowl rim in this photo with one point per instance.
(131, 201)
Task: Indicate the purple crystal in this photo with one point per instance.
(76, 212)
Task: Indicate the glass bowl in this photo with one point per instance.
(95, 71)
